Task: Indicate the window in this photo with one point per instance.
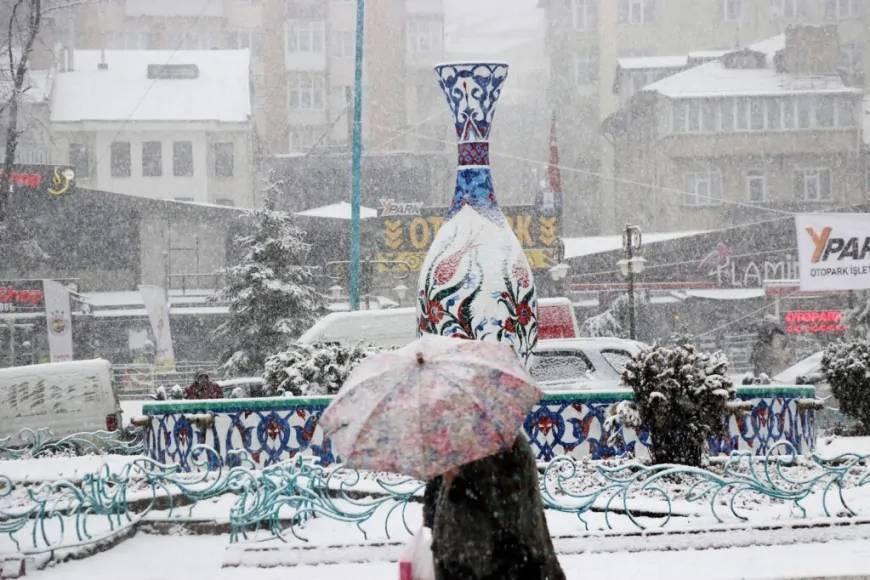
(118, 40)
(637, 11)
(789, 118)
(812, 184)
(616, 358)
(80, 158)
(742, 115)
(805, 106)
(303, 140)
(585, 14)
(120, 159)
(239, 39)
(425, 35)
(732, 10)
(678, 116)
(306, 92)
(825, 111)
(756, 114)
(727, 115)
(845, 112)
(556, 366)
(852, 58)
(844, 9)
(304, 36)
(585, 69)
(703, 188)
(788, 9)
(190, 40)
(223, 159)
(182, 159)
(774, 114)
(693, 112)
(342, 43)
(152, 159)
(709, 114)
(756, 186)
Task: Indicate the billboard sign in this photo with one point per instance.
(406, 231)
(833, 251)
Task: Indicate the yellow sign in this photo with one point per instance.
(406, 238)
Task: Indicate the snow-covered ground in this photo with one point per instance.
(159, 557)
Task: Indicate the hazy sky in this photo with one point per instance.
(466, 19)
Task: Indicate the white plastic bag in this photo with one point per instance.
(416, 562)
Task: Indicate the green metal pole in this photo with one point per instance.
(357, 158)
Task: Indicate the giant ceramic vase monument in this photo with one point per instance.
(475, 282)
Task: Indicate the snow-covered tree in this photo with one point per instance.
(319, 369)
(271, 294)
(682, 395)
(858, 318)
(846, 367)
(615, 321)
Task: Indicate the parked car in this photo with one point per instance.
(68, 398)
(582, 363)
(398, 326)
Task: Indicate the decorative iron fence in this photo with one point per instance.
(283, 497)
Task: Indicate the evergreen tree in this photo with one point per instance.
(271, 294)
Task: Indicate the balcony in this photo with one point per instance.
(190, 8)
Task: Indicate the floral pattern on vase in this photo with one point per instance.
(475, 282)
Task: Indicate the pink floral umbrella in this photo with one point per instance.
(435, 404)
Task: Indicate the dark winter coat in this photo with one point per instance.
(209, 390)
(490, 522)
(430, 501)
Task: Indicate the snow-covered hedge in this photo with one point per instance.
(846, 367)
(319, 369)
(682, 396)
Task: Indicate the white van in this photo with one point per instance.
(398, 326)
(68, 398)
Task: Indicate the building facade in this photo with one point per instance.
(160, 124)
(761, 132)
(587, 38)
(302, 60)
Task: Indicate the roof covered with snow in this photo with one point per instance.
(123, 92)
(713, 79)
(37, 86)
(338, 211)
(576, 247)
(653, 62)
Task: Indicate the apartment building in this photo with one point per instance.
(188, 137)
(302, 60)
(764, 129)
(587, 40)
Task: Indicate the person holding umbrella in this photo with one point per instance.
(455, 409)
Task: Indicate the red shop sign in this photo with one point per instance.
(815, 322)
(23, 297)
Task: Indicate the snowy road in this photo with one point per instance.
(148, 557)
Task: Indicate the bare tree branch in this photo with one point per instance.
(18, 70)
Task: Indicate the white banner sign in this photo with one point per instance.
(833, 251)
(59, 320)
(157, 307)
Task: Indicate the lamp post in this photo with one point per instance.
(357, 158)
(332, 270)
(401, 292)
(631, 265)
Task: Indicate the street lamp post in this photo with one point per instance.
(357, 158)
(631, 265)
